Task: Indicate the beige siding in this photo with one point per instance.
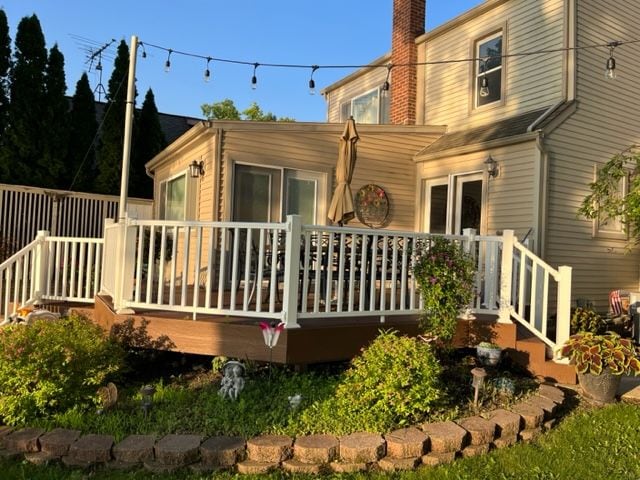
(606, 122)
(385, 159)
(531, 82)
(509, 198)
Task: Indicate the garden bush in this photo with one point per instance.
(445, 274)
(394, 382)
(586, 320)
(51, 366)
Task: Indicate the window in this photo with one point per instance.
(488, 70)
(612, 228)
(267, 194)
(174, 198)
(371, 107)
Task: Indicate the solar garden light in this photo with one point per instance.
(479, 375)
(271, 334)
(147, 392)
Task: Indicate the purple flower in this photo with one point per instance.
(433, 280)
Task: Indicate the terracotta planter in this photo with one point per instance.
(600, 388)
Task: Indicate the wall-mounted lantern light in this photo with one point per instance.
(196, 169)
(492, 166)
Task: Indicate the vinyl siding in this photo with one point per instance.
(605, 123)
(509, 200)
(529, 82)
(385, 159)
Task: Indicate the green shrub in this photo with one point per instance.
(51, 366)
(586, 320)
(445, 275)
(394, 382)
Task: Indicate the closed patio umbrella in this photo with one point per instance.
(341, 208)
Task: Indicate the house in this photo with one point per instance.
(547, 117)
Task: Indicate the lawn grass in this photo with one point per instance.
(599, 444)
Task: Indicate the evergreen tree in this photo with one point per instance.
(83, 126)
(109, 154)
(5, 64)
(149, 141)
(23, 150)
(56, 136)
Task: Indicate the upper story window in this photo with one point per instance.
(370, 107)
(488, 70)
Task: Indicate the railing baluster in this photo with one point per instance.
(136, 296)
(174, 267)
(151, 260)
(329, 266)
(223, 263)
(234, 267)
(185, 265)
(340, 285)
(196, 269)
(247, 269)
(210, 263)
(163, 255)
(363, 272)
(257, 281)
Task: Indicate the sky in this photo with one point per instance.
(325, 32)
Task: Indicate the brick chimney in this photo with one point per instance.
(408, 24)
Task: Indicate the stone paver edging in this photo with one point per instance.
(427, 445)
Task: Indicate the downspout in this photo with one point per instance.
(541, 175)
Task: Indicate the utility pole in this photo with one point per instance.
(128, 128)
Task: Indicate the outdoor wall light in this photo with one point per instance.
(196, 169)
(491, 166)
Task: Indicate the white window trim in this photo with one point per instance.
(322, 176)
(368, 92)
(475, 66)
(190, 189)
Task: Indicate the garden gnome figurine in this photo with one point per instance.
(232, 381)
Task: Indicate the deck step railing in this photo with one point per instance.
(50, 269)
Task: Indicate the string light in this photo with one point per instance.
(144, 52)
(207, 72)
(254, 79)
(610, 73)
(312, 83)
(167, 64)
(385, 85)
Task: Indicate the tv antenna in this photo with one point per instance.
(97, 57)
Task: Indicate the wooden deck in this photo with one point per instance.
(323, 339)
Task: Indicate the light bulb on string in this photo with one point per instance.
(167, 64)
(610, 72)
(254, 79)
(312, 83)
(207, 72)
(484, 87)
(144, 52)
(385, 84)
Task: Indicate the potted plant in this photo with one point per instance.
(600, 361)
(489, 353)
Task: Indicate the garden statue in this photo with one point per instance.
(232, 381)
(294, 401)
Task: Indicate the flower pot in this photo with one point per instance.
(600, 388)
(488, 356)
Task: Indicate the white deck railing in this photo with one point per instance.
(50, 269)
(282, 271)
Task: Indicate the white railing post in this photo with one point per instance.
(124, 258)
(291, 271)
(40, 267)
(469, 239)
(506, 266)
(563, 313)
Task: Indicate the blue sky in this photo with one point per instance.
(325, 32)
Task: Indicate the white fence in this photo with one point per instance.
(26, 210)
(289, 271)
(51, 269)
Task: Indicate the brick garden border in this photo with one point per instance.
(428, 444)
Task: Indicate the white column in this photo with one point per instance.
(40, 263)
(291, 272)
(506, 272)
(128, 128)
(563, 313)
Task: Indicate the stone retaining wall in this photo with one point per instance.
(428, 444)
